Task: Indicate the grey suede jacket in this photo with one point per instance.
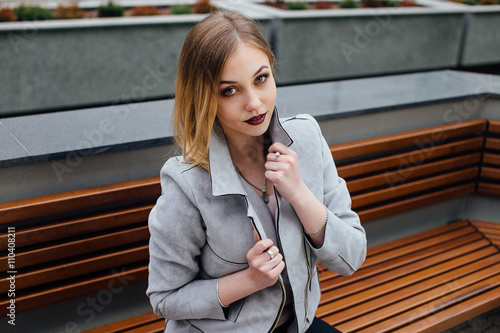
(202, 228)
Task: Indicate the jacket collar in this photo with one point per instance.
(222, 173)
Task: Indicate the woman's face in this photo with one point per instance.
(247, 93)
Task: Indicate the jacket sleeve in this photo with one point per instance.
(177, 236)
(344, 246)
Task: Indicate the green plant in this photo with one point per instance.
(348, 4)
(7, 15)
(144, 11)
(110, 10)
(299, 5)
(389, 3)
(70, 12)
(203, 6)
(470, 2)
(180, 10)
(32, 13)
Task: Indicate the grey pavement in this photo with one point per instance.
(488, 322)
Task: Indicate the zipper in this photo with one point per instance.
(282, 285)
(280, 279)
(282, 304)
(309, 278)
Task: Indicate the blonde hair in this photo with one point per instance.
(206, 50)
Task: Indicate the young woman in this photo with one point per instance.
(253, 204)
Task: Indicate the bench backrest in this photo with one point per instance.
(398, 172)
(78, 242)
(489, 181)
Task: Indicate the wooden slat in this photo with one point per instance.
(330, 303)
(394, 141)
(405, 161)
(492, 173)
(489, 230)
(423, 235)
(494, 126)
(63, 292)
(408, 173)
(401, 267)
(491, 189)
(75, 247)
(491, 159)
(492, 143)
(391, 304)
(128, 324)
(482, 224)
(389, 264)
(490, 233)
(61, 271)
(458, 313)
(69, 228)
(155, 327)
(366, 215)
(80, 199)
(482, 290)
(393, 246)
(414, 187)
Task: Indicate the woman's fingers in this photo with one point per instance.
(265, 263)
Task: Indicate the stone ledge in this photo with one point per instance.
(93, 131)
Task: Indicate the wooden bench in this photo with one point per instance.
(78, 242)
(489, 179)
(427, 282)
(398, 172)
(75, 243)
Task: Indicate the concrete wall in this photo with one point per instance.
(327, 48)
(482, 44)
(58, 67)
(62, 65)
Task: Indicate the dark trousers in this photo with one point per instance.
(317, 326)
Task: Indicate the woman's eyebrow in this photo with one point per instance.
(256, 73)
(260, 69)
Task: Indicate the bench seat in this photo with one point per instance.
(427, 282)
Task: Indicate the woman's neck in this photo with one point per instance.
(247, 151)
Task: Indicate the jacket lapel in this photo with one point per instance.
(225, 180)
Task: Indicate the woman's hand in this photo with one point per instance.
(282, 168)
(264, 270)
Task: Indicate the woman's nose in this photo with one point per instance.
(252, 101)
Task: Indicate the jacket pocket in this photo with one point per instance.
(216, 265)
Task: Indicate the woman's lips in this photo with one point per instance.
(257, 120)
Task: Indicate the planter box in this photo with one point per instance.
(482, 42)
(68, 64)
(318, 45)
(481, 39)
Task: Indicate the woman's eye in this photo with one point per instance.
(261, 79)
(228, 92)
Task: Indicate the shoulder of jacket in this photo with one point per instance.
(298, 121)
(179, 170)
